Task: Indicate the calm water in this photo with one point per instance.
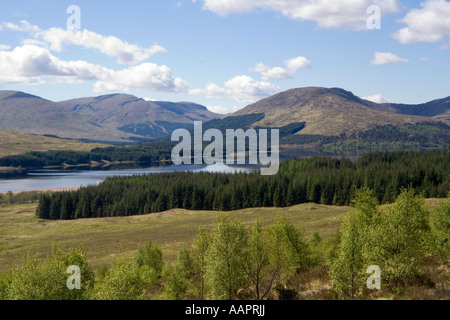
(51, 179)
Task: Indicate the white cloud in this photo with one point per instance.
(444, 48)
(218, 109)
(377, 98)
(56, 39)
(28, 64)
(242, 89)
(24, 26)
(4, 47)
(326, 13)
(381, 58)
(111, 46)
(429, 24)
(146, 76)
(278, 73)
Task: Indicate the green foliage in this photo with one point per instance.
(225, 258)
(440, 231)
(150, 256)
(316, 246)
(262, 264)
(389, 137)
(47, 280)
(347, 269)
(395, 239)
(121, 282)
(200, 262)
(298, 253)
(320, 180)
(5, 284)
(176, 285)
(332, 248)
(399, 244)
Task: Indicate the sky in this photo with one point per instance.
(226, 54)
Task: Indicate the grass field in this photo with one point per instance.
(14, 143)
(106, 239)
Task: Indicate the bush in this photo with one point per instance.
(47, 280)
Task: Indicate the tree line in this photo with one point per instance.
(320, 180)
(237, 261)
(146, 152)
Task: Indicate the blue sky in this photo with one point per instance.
(226, 54)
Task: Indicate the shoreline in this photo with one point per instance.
(46, 190)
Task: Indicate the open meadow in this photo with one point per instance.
(106, 239)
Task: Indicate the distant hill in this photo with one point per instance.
(130, 114)
(327, 112)
(116, 118)
(31, 114)
(439, 109)
(15, 143)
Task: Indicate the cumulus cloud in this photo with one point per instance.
(28, 64)
(377, 98)
(146, 76)
(56, 39)
(381, 58)
(278, 73)
(242, 89)
(326, 13)
(429, 24)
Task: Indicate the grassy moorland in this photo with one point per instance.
(106, 239)
(15, 143)
(123, 251)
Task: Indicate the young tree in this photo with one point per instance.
(297, 249)
(176, 284)
(261, 265)
(400, 242)
(347, 269)
(38, 279)
(440, 231)
(199, 262)
(150, 256)
(225, 258)
(121, 282)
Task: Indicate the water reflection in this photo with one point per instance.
(45, 179)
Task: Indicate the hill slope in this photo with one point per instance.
(15, 143)
(326, 112)
(439, 109)
(134, 115)
(31, 114)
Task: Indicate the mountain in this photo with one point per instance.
(129, 114)
(27, 113)
(439, 109)
(331, 112)
(116, 118)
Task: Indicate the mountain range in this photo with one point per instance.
(111, 118)
(301, 113)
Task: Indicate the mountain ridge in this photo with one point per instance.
(114, 118)
(327, 112)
